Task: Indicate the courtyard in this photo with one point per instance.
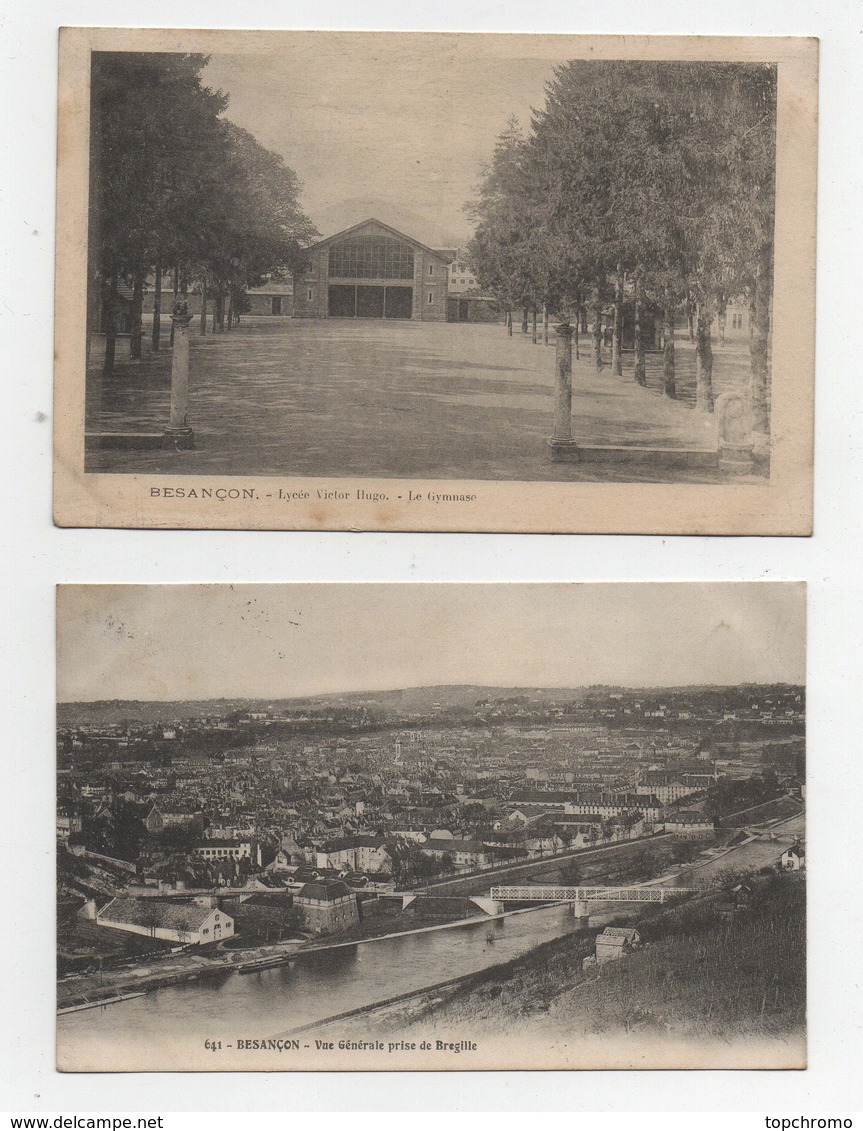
(345, 398)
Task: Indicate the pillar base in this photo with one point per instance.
(178, 440)
(760, 446)
(581, 912)
(563, 451)
(736, 458)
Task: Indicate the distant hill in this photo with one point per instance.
(410, 701)
(407, 700)
(345, 214)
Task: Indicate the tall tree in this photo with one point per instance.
(657, 173)
(174, 182)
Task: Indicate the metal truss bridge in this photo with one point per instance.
(581, 897)
(554, 894)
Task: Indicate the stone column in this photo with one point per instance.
(580, 910)
(178, 435)
(562, 445)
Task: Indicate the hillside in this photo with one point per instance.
(698, 977)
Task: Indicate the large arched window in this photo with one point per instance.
(371, 257)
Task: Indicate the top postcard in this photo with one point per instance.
(435, 282)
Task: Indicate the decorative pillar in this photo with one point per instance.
(562, 445)
(734, 426)
(178, 435)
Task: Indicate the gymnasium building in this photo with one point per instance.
(373, 271)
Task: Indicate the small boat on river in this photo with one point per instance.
(255, 964)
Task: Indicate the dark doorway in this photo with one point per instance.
(370, 302)
(349, 301)
(463, 311)
(342, 302)
(277, 305)
(399, 302)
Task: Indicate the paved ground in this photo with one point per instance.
(400, 400)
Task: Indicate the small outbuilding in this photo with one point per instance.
(793, 859)
(616, 942)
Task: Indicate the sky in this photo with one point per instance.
(405, 120)
(177, 642)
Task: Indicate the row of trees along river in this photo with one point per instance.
(178, 191)
(646, 182)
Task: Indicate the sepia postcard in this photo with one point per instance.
(431, 826)
(435, 281)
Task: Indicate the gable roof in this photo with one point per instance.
(387, 228)
(182, 916)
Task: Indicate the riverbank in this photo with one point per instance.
(755, 852)
(115, 986)
(700, 977)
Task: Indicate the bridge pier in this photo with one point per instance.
(581, 910)
(486, 904)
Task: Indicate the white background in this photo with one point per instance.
(40, 556)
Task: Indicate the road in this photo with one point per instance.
(480, 882)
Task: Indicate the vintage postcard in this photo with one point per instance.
(435, 282)
(565, 832)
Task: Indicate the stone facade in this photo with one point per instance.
(319, 293)
(327, 906)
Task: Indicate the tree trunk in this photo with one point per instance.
(137, 321)
(230, 318)
(110, 312)
(759, 385)
(721, 319)
(533, 323)
(509, 322)
(96, 279)
(175, 292)
(524, 320)
(203, 308)
(703, 359)
(669, 387)
(690, 314)
(214, 325)
(156, 340)
(545, 324)
(577, 321)
(617, 332)
(640, 367)
(597, 332)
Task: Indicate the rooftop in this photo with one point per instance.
(324, 891)
(142, 912)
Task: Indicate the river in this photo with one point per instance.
(312, 987)
(320, 984)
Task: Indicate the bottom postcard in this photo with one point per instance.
(443, 827)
